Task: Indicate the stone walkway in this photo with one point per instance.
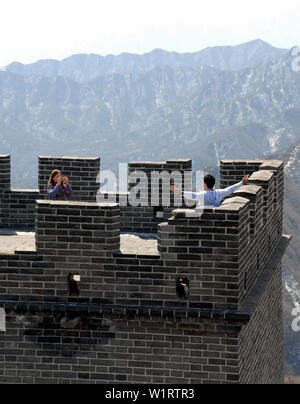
(11, 241)
(138, 244)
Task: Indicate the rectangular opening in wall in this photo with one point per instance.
(183, 288)
(2, 321)
(73, 285)
(158, 212)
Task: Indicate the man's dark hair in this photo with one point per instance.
(210, 181)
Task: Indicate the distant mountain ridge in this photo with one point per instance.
(85, 67)
(196, 112)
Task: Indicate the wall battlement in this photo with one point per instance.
(201, 301)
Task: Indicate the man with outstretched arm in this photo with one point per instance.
(210, 196)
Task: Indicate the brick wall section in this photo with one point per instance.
(263, 362)
(277, 167)
(72, 237)
(137, 219)
(268, 210)
(85, 237)
(77, 228)
(139, 345)
(82, 171)
(215, 252)
(4, 172)
(17, 208)
(16, 205)
(232, 171)
(252, 256)
(76, 234)
(261, 342)
(265, 239)
(255, 195)
(143, 220)
(215, 244)
(117, 348)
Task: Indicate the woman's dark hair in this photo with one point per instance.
(210, 181)
(52, 175)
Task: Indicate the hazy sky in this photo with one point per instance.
(39, 29)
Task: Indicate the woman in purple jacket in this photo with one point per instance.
(58, 186)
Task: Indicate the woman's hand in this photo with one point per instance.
(66, 180)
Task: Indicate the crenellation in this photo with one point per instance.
(277, 167)
(5, 171)
(254, 194)
(267, 217)
(266, 180)
(232, 171)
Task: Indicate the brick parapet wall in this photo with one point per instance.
(215, 244)
(255, 195)
(85, 238)
(220, 253)
(277, 167)
(266, 205)
(5, 171)
(137, 219)
(16, 205)
(80, 229)
(232, 171)
(17, 208)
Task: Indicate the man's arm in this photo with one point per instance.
(193, 195)
(229, 190)
(187, 195)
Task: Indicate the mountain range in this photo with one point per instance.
(153, 110)
(83, 68)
